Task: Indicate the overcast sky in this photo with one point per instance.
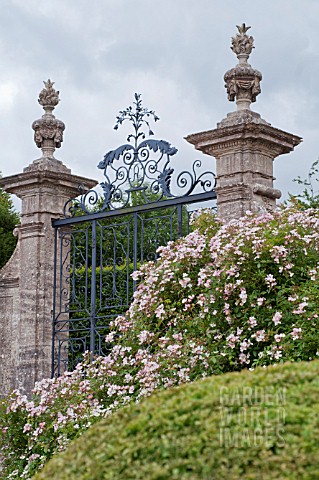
(173, 52)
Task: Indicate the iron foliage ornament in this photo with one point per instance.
(140, 170)
(103, 239)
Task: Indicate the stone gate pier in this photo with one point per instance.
(244, 144)
(26, 281)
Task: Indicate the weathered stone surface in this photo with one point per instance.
(48, 130)
(244, 150)
(242, 82)
(242, 44)
(26, 282)
(9, 321)
(243, 143)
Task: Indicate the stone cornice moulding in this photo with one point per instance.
(35, 180)
(219, 140)
(34, 229)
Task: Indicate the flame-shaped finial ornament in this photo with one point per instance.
(48, 130)
(242, 82)
(242, 44)
(48, 97)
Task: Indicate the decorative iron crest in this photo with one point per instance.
(139, 172)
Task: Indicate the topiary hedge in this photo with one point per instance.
(261, 425)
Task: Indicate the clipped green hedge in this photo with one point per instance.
(244, 425)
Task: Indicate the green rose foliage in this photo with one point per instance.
(223, 298)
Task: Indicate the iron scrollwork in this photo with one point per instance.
(139, 171)
(97, 253)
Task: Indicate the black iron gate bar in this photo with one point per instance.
(58, 225)
(185, 200)
(142, 176)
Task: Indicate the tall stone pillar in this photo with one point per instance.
(44, 187)
(244, 144)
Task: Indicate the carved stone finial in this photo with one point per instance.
(48, 130)
(242, 81)
(48, 97)
(242, 44)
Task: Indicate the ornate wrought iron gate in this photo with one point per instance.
(102, 239)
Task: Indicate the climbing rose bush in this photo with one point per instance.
(224, 298)
(249, 289)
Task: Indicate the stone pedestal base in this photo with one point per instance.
(244, 146)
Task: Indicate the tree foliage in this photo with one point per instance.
(309, 197)
(8, 221)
